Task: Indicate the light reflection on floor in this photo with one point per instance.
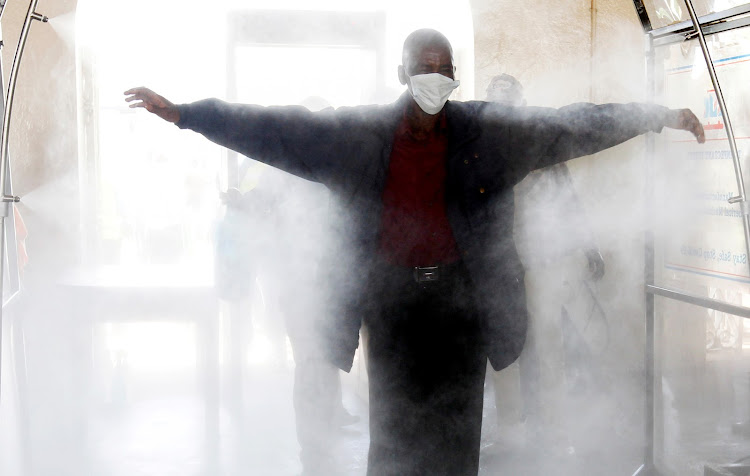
(160, 428)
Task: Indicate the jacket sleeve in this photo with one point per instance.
(290, 138)
(544, 136)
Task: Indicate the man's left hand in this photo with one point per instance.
(685, 120)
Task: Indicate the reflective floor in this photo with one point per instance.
(165, 435)
(153, 420)
(704, 420)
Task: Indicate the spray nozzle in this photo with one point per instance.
(40, 17)
(5, 206)
(743, 204)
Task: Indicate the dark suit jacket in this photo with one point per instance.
(491, 148)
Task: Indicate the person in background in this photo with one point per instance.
(261, 238)
(424, 193)
(553, 238)
(236, 270)
(301, 213)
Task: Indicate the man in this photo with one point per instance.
(432, 272)
(553, 240)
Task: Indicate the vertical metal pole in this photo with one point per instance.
(2, 248)
(649, 275)
(742, 198)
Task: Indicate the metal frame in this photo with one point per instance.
(642, 12)
(687, 26)
(649, 256)
(697, 300)
(708, 19)
(708, 29)
(695, 28)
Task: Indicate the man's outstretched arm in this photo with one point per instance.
(290, 138)
(583, 129)
(557, 135)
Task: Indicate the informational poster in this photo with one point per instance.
(702, 240)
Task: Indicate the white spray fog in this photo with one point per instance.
(117, 379)
(612, 187)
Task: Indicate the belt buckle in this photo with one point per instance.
(424, 274)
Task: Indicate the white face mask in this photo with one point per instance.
(431, 91)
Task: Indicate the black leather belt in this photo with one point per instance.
(424, 274)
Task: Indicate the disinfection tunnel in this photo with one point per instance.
(375, 237)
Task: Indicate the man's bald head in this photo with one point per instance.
(423, 39)
(428, 60)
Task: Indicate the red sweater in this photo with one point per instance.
(414, 229)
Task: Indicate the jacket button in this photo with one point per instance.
(476, 155)
(466, 161)
(481, 190)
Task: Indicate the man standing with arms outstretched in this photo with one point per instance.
(432, 273)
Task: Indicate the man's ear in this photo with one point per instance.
(401, 74)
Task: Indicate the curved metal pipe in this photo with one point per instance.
(6, 200)
(742, 198)
(3, 3)
(30, 16)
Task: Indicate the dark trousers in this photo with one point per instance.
(426, 364)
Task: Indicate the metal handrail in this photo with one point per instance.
(697, 300)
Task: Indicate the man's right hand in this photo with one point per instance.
(153, 103)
